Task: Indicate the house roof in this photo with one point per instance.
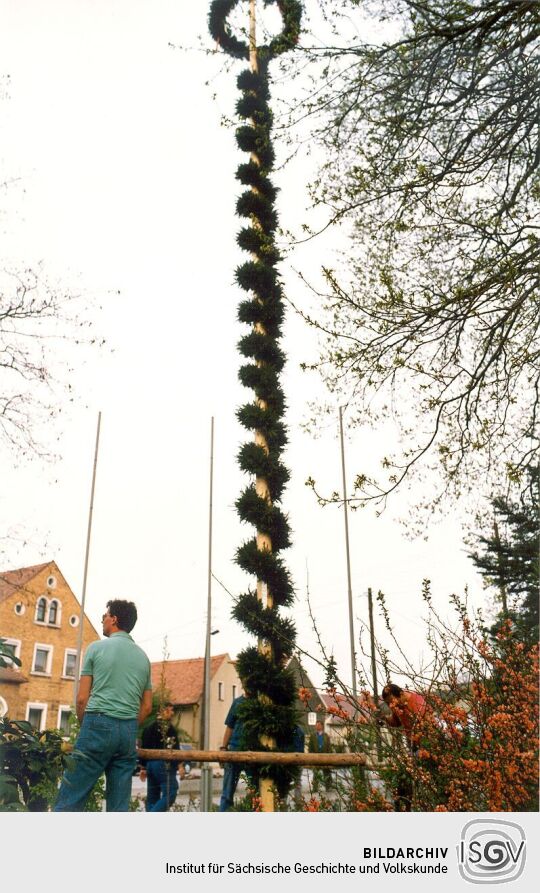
(184, 679)
(12, 581)
(342, 709)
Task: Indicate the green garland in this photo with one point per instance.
(291, 13)
(269, 712)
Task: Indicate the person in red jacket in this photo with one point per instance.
(407, 708)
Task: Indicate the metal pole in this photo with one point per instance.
(206, 770)
(85, 574)
(374, 670)
(372, 645)
(347, 551)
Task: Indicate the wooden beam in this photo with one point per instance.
(252, 756)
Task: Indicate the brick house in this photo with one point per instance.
(39, 621)
(183, 681)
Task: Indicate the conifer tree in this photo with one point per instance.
(508, 559)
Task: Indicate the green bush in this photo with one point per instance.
(31, 765)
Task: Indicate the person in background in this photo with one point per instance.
(160, 775)
(319, 742)
(406, 710)
(298, 745)
(232, 740)
(114, 697)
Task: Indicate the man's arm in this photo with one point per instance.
(83, 694)
(146, 706)
(227, 736)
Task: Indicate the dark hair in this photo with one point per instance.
(391, 689)
(125, 613)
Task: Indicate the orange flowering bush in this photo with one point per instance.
(250, 802)
(476, 746)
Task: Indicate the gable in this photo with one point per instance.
(12, 582)
(28, 584)
(184, 679)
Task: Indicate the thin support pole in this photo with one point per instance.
(374, 668)
(372, 646)
(85, 574)
(348, 556)
(206, 770)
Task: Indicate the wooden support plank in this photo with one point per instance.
(251, 756)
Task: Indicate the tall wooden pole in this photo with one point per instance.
(206, 771)
(268, 713)
(348, 558)
(85, 573)
(264, 544)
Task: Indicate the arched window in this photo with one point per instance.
(41, 609)
(54, 612)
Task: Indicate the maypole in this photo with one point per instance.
(268, 714)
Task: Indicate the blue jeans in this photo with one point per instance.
(104, 745)
(231, 774)
(162, 786)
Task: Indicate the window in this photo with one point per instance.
(19, 608)
(54, 612)
(42, 659)
(3, 707)
(36, 715)
(70, 663)
(51, 582)
(64, 716)
(220, 687)
(234, 695)
(14, 648)
(41, 609)
(74, 620)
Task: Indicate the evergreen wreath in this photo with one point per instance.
(269, 711)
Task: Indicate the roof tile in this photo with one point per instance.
(184, 678)
(12, 581)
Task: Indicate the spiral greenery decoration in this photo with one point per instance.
(268, 715)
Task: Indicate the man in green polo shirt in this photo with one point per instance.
(114, 697)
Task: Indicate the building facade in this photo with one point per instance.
(39, 622)
(182, 683)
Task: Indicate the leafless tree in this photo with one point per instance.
(432, 139)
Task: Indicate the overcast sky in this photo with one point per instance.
(124, 189)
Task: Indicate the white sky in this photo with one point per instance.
(125, 183)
